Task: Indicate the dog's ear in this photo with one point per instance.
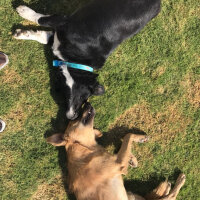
(98, 90)
(97, 133)
(56, 140)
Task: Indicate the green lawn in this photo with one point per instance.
(152, 84)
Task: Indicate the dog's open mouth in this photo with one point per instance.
(88, 113)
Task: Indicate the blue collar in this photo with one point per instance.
(57, 63)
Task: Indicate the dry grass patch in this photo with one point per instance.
(162, 127)
(192, 93)
(159, 71)
(6, 160)
(15, 118)
(6, 165)
(11, 77)
(52, 190)
(160, 89)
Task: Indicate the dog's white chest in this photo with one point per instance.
(55, 47)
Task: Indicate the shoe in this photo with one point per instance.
(3, 60)
(2, 125)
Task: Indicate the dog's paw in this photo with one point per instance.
(144, 139)
(133, 162)
(181, 179)
(168, 188)
(27, 13)
(21, 34)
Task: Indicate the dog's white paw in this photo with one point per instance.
(29, 14)
(21, 34)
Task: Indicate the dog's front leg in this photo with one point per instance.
(39, 36)
(124, 156)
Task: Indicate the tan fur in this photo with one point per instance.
(94, 174)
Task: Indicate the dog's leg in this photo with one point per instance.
(161, 191)
(124, 155)
(132, 196)
(29, 14)
(174, 192)
(40, 36)
(43, 20)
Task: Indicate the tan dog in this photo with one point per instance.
(94, 174)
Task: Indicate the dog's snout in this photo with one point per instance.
(71, 115)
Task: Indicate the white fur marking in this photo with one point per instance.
(29, 14)
(69, 79)
(69, 82)
(40, 36)
(70, 113)
(55, 47)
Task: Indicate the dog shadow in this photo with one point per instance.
(114, 136)
(59, 123)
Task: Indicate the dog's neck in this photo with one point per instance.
(96, 62)
(78, 151)
(82, 76)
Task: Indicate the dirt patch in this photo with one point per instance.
(52, 190)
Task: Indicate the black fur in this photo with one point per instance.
(93, 32)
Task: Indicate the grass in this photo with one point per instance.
(152, 85)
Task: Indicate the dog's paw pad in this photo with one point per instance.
(144, 139)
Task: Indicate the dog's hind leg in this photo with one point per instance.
(132, 196)
(43, 20)
(161, 191)
(124, 156)
(174, 192)
(40, 36)
(29, 14)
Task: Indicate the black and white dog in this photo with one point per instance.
(88, 37)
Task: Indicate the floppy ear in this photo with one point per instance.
(98, 90)
(56, 140)
(97, 133)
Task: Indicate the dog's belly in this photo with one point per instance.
(115, 189)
